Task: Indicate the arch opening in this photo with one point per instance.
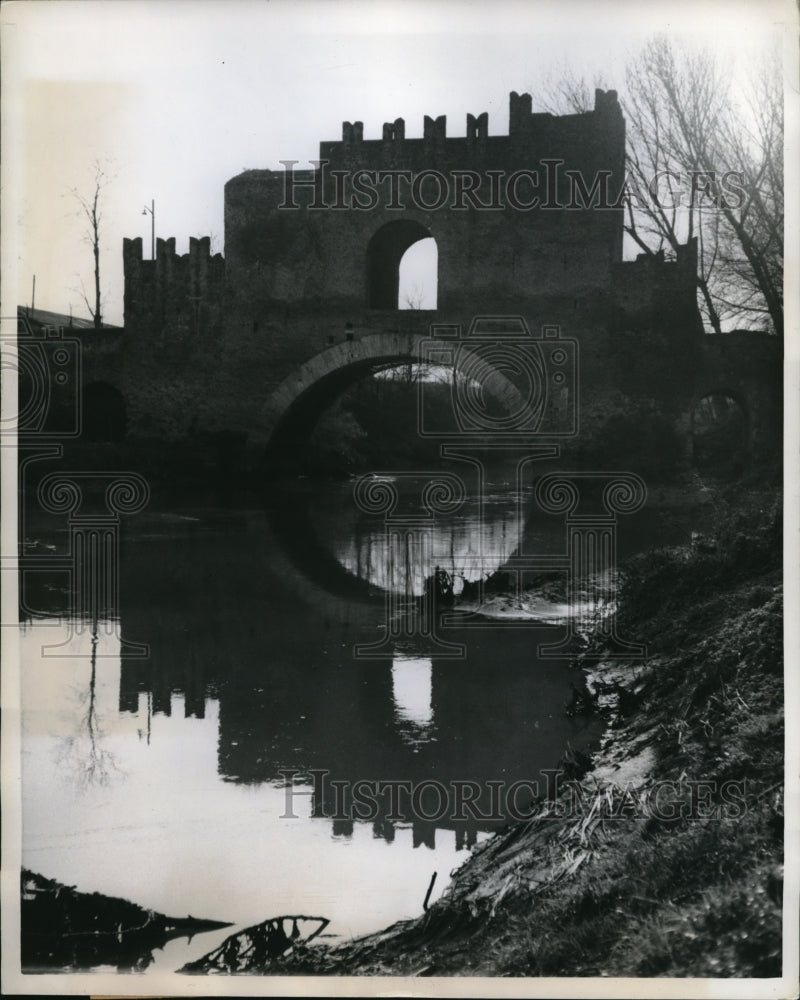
(418, 276)
(103, 413)
(385, 253)
(372, 418)
(719, 435)
(376, 370)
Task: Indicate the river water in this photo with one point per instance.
(285, 637)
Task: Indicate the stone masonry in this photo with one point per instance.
(526, 224)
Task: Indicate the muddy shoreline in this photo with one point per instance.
(662, 852)
(665, 858)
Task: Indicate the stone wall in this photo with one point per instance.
(311, 260)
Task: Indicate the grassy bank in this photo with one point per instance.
(666, 858)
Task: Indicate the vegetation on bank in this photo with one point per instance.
(672, 863)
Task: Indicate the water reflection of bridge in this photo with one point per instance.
(395, 546)
(263, 611)
(223, 621)
(346, 550)
(322, 574)
(499, 716)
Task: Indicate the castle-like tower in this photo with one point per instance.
(526, 224)
(506, 213)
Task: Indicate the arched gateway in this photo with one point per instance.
(525, 224)
(481, 370)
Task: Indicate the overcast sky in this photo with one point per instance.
(174, 97)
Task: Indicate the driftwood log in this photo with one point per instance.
(259, 948)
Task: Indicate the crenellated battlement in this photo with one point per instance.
(199, 250)
(546, 164)
(166, 291)
(478, 127)
(519, 111)
(684, 263)
(529, 134)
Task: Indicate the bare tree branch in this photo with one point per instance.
(90, 207)
(704, 159)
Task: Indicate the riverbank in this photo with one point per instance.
(665, 859)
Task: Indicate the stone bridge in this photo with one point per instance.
(257, 343)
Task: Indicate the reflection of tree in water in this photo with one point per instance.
(469, 548)
(92, 763)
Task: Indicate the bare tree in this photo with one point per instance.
(91, 209)
(704, 161)
(564, 93)
(729, 141)
(664, 206)
(414, 298)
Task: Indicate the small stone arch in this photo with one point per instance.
(720, 431)
(103, 413)
(385, 250)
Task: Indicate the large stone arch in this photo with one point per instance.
(295, 405)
